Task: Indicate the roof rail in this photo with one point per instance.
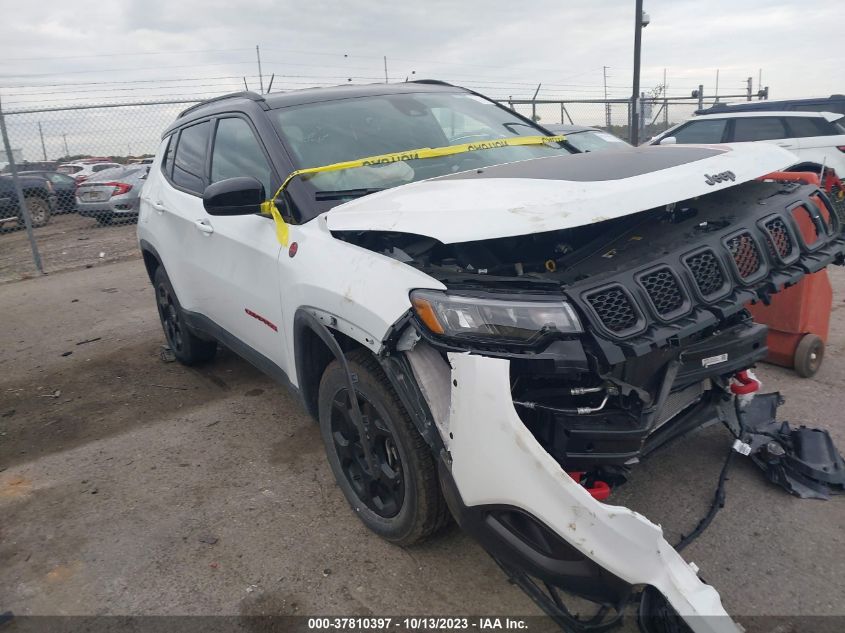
(436, 82)
(243, 94)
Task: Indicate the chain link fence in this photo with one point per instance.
(81, 170)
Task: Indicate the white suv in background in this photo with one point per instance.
(816, 138)
(83, 171)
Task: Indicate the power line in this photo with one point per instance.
(168, 52)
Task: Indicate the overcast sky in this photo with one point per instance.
(503, 47)
(57, 53)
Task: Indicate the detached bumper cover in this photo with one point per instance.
(514, 497)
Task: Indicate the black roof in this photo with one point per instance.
(313, 95)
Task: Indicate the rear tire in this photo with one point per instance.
(188, 348)
(403, 503)
(39, 211)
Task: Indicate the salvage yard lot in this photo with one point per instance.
(67, 242)
(133, 486)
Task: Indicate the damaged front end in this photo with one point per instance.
(554, 361)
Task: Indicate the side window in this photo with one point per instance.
(800, 126)
(167, 159)
(702, 131)
(238, 153)
(189, 161)
(758, 128)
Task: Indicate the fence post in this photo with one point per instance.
(700, 96)
(36, 256)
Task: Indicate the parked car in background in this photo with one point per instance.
(83, 171)
(112, 195)
(63, 185)
(38, 194)
(816, 138)
(588, 139)
(833, 103)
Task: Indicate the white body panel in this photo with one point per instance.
(366, 292)
(509, 467)
(464, 210)
(238, 256)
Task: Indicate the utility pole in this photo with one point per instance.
(606, 104)
(64, 138)
(760, 79)
(260, 76)
(43, 147)
(635, 94)
(665, 101)
(717, 86)
(385, 70)
(748, 88)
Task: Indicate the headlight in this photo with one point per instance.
(502, 319)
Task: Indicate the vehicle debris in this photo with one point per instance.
(90, 340)
(801, 460)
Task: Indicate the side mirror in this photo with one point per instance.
(234, 196)
(669, 140)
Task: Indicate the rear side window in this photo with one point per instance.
(800, 126)
(167, 159)
(759, 128)
(701, 132)
(238, 153)
(97, 168)
(189, 161)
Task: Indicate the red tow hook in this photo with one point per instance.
(600, 490)
(744, 384)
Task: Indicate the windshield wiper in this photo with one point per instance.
(345, 193)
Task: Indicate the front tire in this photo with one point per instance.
(188, 348)
(401, 501)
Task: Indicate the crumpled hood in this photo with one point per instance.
(559, 192)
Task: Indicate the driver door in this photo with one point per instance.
(240, 253)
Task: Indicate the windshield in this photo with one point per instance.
(595, 141)
(330, 132)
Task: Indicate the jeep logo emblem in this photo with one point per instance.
(725, 175)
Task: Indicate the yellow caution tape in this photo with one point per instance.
(385, 159)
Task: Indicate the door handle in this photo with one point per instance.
(158, 206)
(204, 227)
(784, 144)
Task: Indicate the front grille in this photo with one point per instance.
(745, 254)
(779, 241)
(706, 272)
(614, 309)
(663, 290)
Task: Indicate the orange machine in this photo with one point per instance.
(799, 316)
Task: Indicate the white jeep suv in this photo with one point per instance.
(484, 323)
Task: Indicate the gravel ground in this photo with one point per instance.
(133, 486)
(67, 242)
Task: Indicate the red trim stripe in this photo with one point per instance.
(266, 322)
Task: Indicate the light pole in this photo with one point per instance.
(641, 20)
